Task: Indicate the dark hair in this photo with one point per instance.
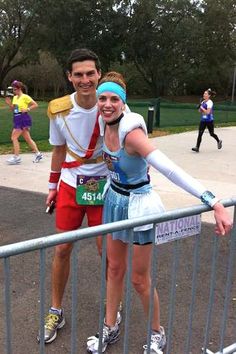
(19, 85)
(113, 76)
(82, 54)
(210, 92)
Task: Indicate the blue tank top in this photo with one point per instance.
(126, 169)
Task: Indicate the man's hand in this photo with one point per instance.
(52, 195)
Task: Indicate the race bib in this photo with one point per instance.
(89, 190)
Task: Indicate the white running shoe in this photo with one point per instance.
(158, 342)
(109, 336)
(38, 156)
(14, 160)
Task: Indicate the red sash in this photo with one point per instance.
(91, 147)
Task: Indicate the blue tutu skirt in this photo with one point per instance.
(116, 209)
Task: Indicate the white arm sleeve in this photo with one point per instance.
(175, 174)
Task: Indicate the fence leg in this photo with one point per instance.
(8, 305)
(158, 112)
(150, 119)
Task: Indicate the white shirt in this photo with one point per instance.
(81, 124)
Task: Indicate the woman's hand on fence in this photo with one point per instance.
(223, 221)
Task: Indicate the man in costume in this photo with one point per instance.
(77, 172)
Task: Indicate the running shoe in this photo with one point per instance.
(37, 157)
(219, 144)
(109, 336)
(14, 160)
(53, 322)
(158, 342)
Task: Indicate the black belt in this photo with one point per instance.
(115, 186)
(120, 191)
(131, 186)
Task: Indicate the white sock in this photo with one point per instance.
(56, 310)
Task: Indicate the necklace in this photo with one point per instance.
(116, 121)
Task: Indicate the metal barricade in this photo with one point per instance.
(170, 315)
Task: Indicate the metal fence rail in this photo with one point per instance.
(41, 244)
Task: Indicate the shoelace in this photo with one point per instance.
(51, 320)
(156, 338)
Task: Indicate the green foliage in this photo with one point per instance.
(40, 126)
(81, 23)
(163, 47)
(136, 86)
(162, 34)
(19, 23)
(175, 117)
(180, 46)
(217, 48)
(44, 79)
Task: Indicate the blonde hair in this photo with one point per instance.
(113, 76)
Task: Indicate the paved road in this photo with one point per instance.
(22, 217)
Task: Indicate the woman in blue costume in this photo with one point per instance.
(128, 152)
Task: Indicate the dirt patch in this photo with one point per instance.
(157, 133)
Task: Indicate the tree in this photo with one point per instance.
(19, 20)
(180, 45)
(163, 36)
(176, 46)
(94, 24)
(217, 20)
(33, 76)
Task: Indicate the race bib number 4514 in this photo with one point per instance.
(89, 190)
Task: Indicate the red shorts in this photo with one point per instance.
(70, 215)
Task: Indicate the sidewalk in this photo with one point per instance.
(216, 169)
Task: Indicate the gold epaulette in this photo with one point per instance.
(60, 105)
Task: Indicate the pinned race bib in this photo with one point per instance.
(89, 190)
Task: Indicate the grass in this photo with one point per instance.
(183, 129)
(174, 120)
(43, 145)
(39, 130)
